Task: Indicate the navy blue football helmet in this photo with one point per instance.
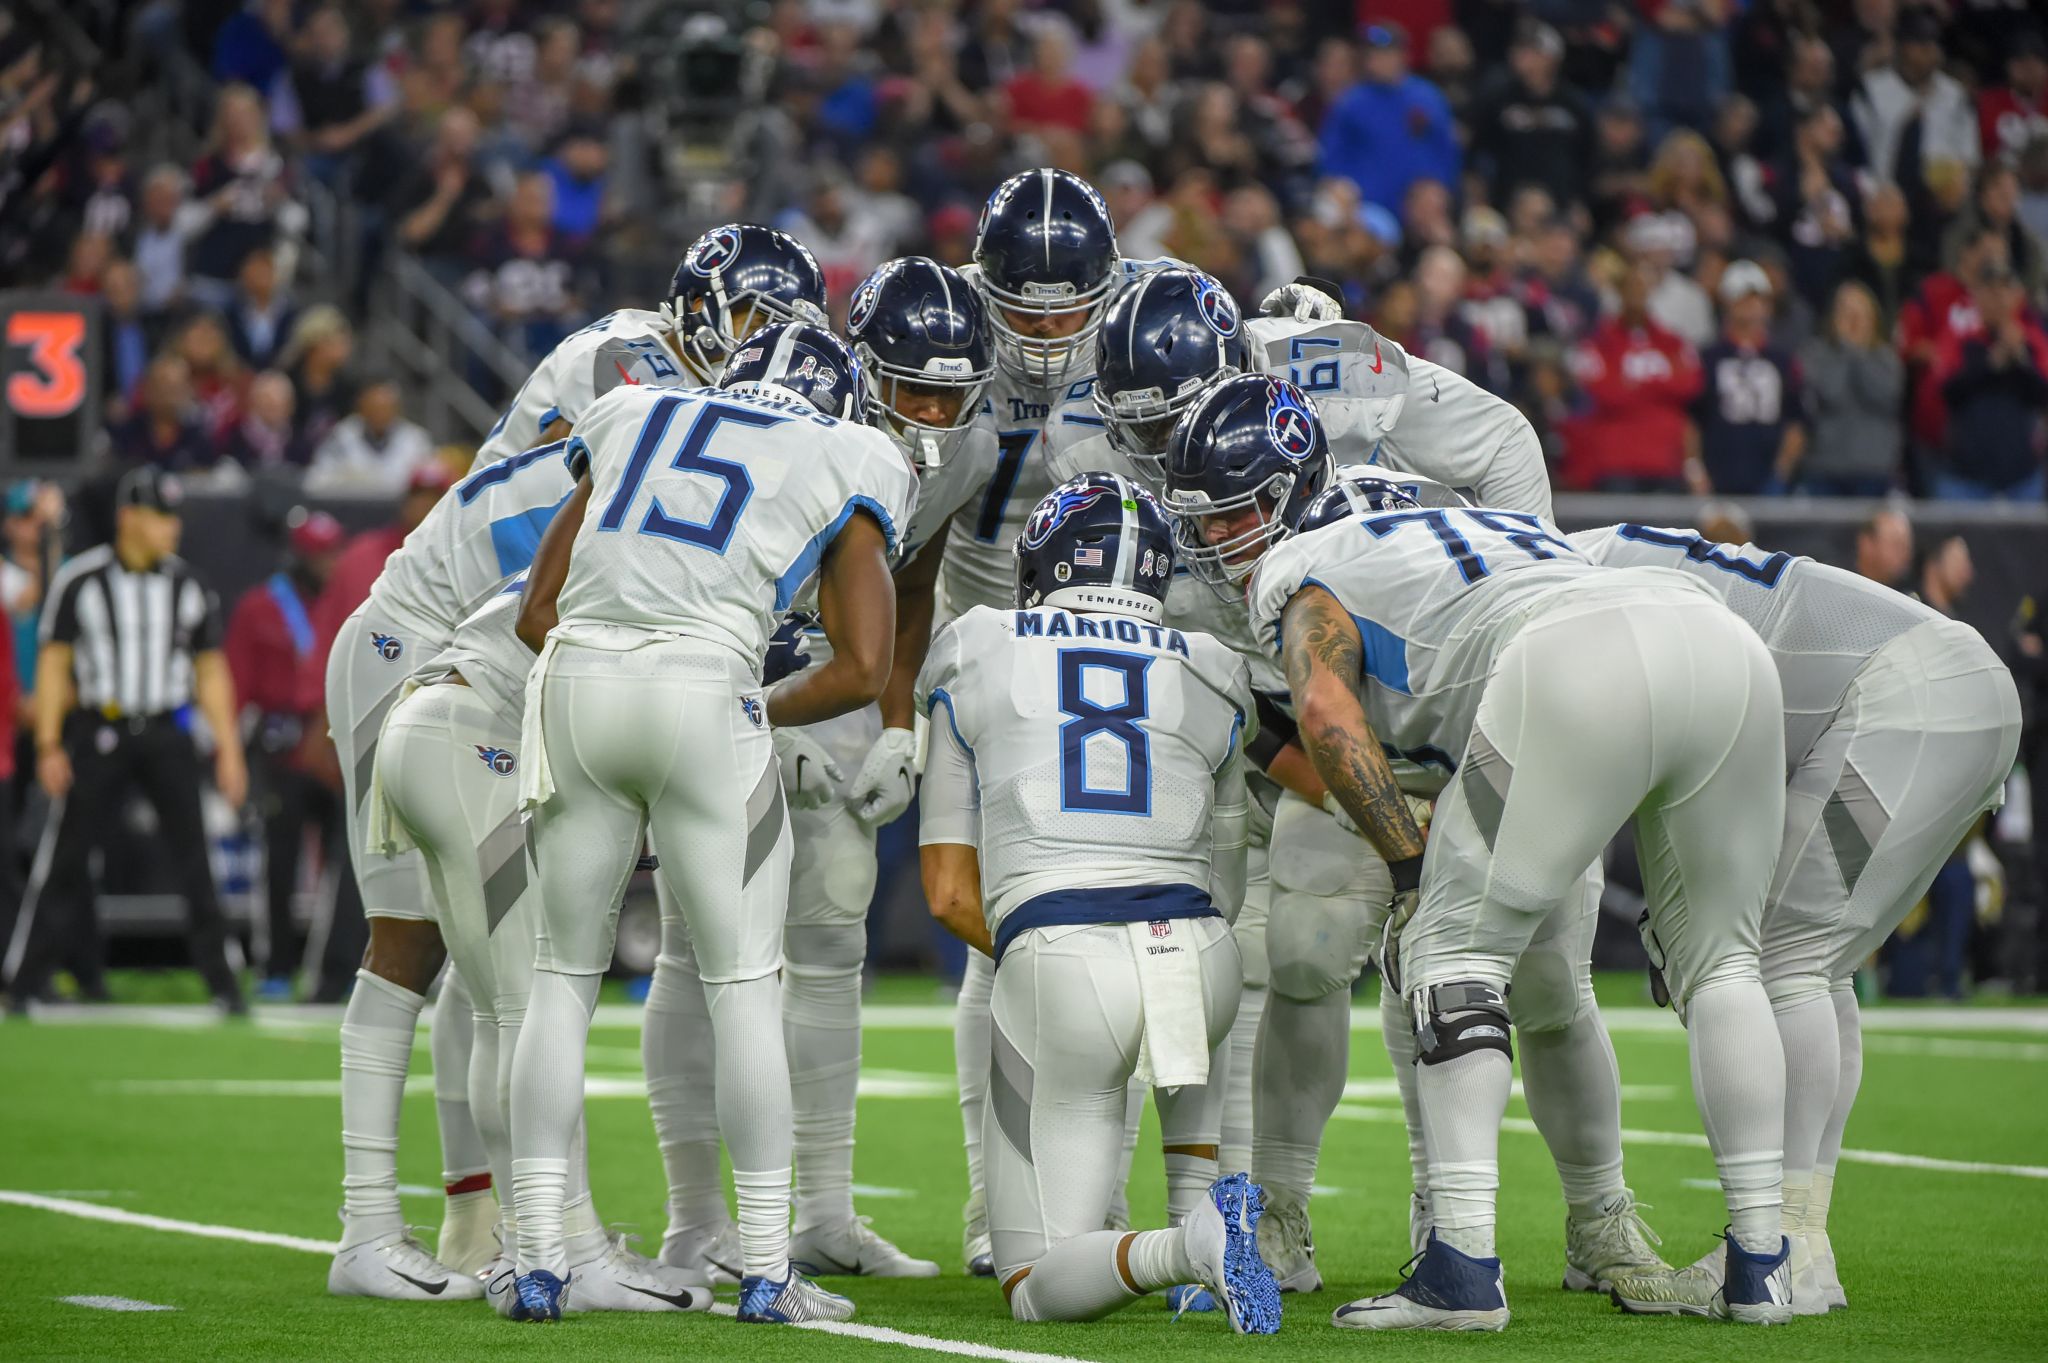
(1046, 247)
(735, 280)
(805, 359)
(1250, 444)
(1166, 336)
(1360, 489)
(921, 332)
(1099, 542)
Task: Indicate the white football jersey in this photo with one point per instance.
(1096, 741)
(629, 346)
(1820, 623)
(711, 510)
(1435, 594)
(490, 655)
(485, 530)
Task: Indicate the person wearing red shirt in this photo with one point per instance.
(342, 937)
(1931, 322)
(270, 634)
(1639, 379)
(1047, 95)
(2011, 115)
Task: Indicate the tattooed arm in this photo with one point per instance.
(1323, 657)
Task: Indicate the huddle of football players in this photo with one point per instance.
(1247, 656)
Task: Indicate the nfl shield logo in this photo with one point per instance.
(1161, 928)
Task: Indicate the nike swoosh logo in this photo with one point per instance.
(435, 1289)
(682, 1301)
(1377, 363)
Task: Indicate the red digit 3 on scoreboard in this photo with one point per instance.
(54, 383)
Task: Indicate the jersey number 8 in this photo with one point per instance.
(1119, 721)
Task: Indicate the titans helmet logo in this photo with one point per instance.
(715, 252)
(1289, 421)
(1218, 308)
(1065, 500)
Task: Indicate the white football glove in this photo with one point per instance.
(810, 778)
(1302, 302)
(882, 788)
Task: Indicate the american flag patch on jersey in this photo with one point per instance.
(1161, 928)
(1087, 558)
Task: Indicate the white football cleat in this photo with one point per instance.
(1287, 1244)
(398, 1268)
(1615, 1244)
(794, 1300)
(501, 1287)
(1419, 1223)
(620, 1280)
(708, 1252)
(469, 1232)
(1762, 1294)
(1443, 1289)
(853, 1250)
(977, 1249)
(1824, 1271)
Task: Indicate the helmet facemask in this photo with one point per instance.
(1139, 422)
(1231, 561)
(1043, 362)
(929, 443)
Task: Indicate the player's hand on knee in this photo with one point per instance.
(1305, 300)
(887, 779)
(810, 778)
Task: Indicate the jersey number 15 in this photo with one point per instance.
(716, 531)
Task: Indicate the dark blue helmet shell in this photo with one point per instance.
(1097, 542)
(1249, 442)
(1045, 245)
(1167, 335)
(731, 269)
(919, 323)
(804, 359)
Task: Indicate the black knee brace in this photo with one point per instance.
(1458, 1018)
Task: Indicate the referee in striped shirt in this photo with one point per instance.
(131, 643)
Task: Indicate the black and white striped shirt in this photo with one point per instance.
(132, 635)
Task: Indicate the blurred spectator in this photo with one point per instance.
(1148, 96)
(438, 207)
(530, 279)
(1808, 84)
(1047, 95)
(1914, 89)
(848, 243)
(317, 358)
(165, 226)
(265, 436)
(167, 430)
(2033, 167)
(1557, 297)
(1426, 219)
(577, 169)
(250, 47)
(1877, 259)
(269, 638)
(245, 186)
(261, 316)
(1994, 383)
(877, 195)
(1995, 208)
(1453, 68)
(90, 253)
(1284, 145)
(1639, 378)
(1815, 197)
(1884, 547)
(1392, 128)
(1528, 127)
(1678, 64)
(375, 451)
(124, 337)
(1677, 302)
(1443, 332)
(2012, 115)
(332, 104)
(219, 379)
(29, 551)
(1747, 420)
(1252, 216)
(537, 103)
(1740, 163)
(106, 190)
(1854, 386)
(1619, 182)
(1334, 71)
(1213, 139)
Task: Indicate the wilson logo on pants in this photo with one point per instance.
(497, 759)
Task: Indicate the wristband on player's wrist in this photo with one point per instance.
(1407, 873)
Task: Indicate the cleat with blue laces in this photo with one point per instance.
(1222, 1241)
(1189, 1297)
(1445, 1290)
(792, 1301)
(537, 1297)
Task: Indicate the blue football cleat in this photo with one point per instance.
(795, 1299)
(538, 1297)
(1188, 1297)
(1758, 1288)
(1222, 1242)
(1447, 1291)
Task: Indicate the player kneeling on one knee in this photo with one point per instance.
(1054, 727)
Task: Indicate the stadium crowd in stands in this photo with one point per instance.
(1787, 245)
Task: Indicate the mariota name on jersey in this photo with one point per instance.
(1122, 629)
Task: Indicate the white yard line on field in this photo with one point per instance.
(873, 1334)
(115, 1304)
(1693, 1140)
(873, 1084)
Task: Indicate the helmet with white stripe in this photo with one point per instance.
(921, 332)
(1167, 335)
(735, 279)
(1046, 247)
(803, 359)
(1099, 542)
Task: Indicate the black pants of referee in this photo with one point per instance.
(110, 758)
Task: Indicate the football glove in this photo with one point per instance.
(883, 787)
(1305, 300)
(810, 778)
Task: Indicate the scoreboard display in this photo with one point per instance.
(50, 359)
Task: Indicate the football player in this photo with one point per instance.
(921, 336)
(1549, 686)
(1900, 729)
(698, 520)
(447, 764)
(1083, 826)
(1167, 337)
